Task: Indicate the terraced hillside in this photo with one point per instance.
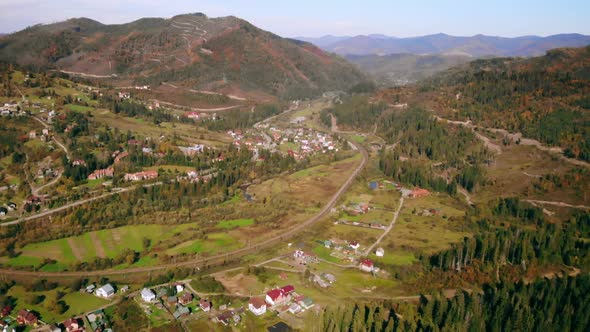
(222, 54)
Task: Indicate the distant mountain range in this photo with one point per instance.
(475, 46)
(220, 54)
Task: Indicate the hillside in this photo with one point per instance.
(401, 69)
(222, 54)
(545, 98)
(476, 46)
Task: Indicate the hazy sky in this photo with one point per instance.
(321, 17)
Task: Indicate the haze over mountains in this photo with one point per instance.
(475, 46)
(222, 54)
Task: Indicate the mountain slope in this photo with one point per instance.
(476, 46)
(197, 51)
(545, 98)
(401, 69)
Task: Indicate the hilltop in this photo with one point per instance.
(223, 54)
(545, 98)
(475, 46)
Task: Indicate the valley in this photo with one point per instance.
(201, 174)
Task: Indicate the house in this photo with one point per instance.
(6, 310)
(90, 288)
(3, 211)
(78, 162)
(124, 289)
(294, 308)
(32, 134)
(147, 295)
(279, 295)
(25, 317)
(73, 325)
(179, 288)
(224, 317)
(181, 311)
(185, 298)
(330, 277)
(101, 173)
(380, 252)
(192, 115)
(139, 176)
(205, 305)
(306, 303)
(172, 300)
(418, 192)
(257, 306)
(367, 265)
(354, 245)
(105, 291)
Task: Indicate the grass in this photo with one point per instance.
(78, 303)
(187, 132)
(324, 253)
(395, 258)
(216, 242)
(78, 108)
(171, 168)
(231, 224)
(110, 241)
(358, 138)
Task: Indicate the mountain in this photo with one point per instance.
(401, 69)
(324, 40)
(545, 98)
(195, 50)
(476, 46)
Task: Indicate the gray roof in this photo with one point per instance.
(181, 311)
(146, 292)
(108, 289)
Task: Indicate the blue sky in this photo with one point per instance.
(320, 17)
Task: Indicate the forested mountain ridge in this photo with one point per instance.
(545, 98)
(475, 46)
(201, 52)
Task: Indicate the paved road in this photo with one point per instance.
(199, 261)
(388, 229)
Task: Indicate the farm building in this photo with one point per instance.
(147, 295)
(105, 291)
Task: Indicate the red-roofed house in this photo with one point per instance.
(139, 176)
(279, 295)
(101, 173)
(192, 115)
(26, 317)
(205, 305)
(73, 325)
(257, 306)
(419, 192)
(367, 265)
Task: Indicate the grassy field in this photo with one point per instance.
(231, 224)
(171, 168)
(216, 242)
(398, 257)
(103, 243)
(78, 108)
(189, 133)
(78, 303)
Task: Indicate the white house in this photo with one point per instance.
(179, 288)
(105, 291)
(257, 306)
(380, 252)
(147, 295)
